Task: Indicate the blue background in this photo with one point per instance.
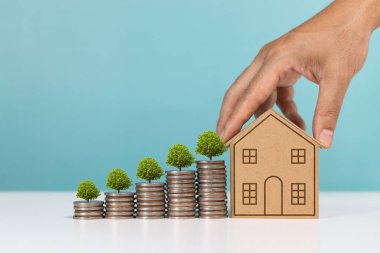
(86, 86)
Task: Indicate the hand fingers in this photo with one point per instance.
(236, 90)
(269, 103)
(330, 99)
(259, 90)
(288, 107)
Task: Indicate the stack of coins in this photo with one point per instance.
(150, 200)
(119, 205)
(212, 196)
(88, 210)
(181, 194)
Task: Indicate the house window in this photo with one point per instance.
(249, 156)
(298, 156)
(298, 194)
(249, 194)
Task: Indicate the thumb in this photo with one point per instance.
(330, 99)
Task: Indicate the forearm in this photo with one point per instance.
(361, 16)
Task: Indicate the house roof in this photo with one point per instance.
(279, 117)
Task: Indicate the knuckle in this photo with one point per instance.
(331, 113)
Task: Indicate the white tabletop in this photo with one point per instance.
(42, 222)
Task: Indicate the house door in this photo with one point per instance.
(273, 196)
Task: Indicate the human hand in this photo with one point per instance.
(329, 49)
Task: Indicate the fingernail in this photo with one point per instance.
(326, 137)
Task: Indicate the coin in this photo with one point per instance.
(211, 185)
(119, 194)
(150, 213)
(211, 190)
(207, 199)
(181, 204)
(180, 181)
(87, 217)
(213, 212)
(181, 172)
(208, 180)
(148, 190)
(150, 208)
(182, 200)
(184, 177)
(147, 185)
(90, 208)
(181, 190)
(115, 204)
(181, 195)
(182, 213)
(88, 203)
(150, 194)
(155, 203)
(180, 185)
(119, 208)
(88, 213)
(119, 217)
(213, 203)
(212, 208)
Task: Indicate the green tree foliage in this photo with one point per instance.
(180, 156)
(118, 180)
(209, 144)
(87, 190)
(149, 169)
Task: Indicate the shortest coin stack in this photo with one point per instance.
(181, 194)
(212, 197)
(119, 205)
(88, 210)
(150, 200)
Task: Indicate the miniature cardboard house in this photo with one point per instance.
(274, 170)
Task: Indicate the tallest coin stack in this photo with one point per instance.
(212, 196)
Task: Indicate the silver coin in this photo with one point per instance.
(119, 217)
(147, 190)
(89, 213)
(87, 217)
(181, 195)
(182, 172)
(156, 203)
(212, 185)
(211, 173)
(151, 217)
(211, 212)
(182, 217)
(119, 194)
(214, 203)
(122, 209)
(209, 199)
(119, 200)
(148, 185)
(150, 213)
(88, 203)
(181, 190)
(213, 181)
(212, 195)
(181, 181)
(150, 208)
(92, 208)
(150, 194)
(212, 208)
(146, 200)
(179, 208)
(211, 190)
(210, 162)
(120, 204)
(223, 216)
(184, 177)
(211, 176)
(182, 200)
(192, 185)
(181, 204)
(181, 213)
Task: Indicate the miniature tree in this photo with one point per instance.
(149, 169)
(118, 180)
(209, 144)
(180, 157)
(87, 190)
